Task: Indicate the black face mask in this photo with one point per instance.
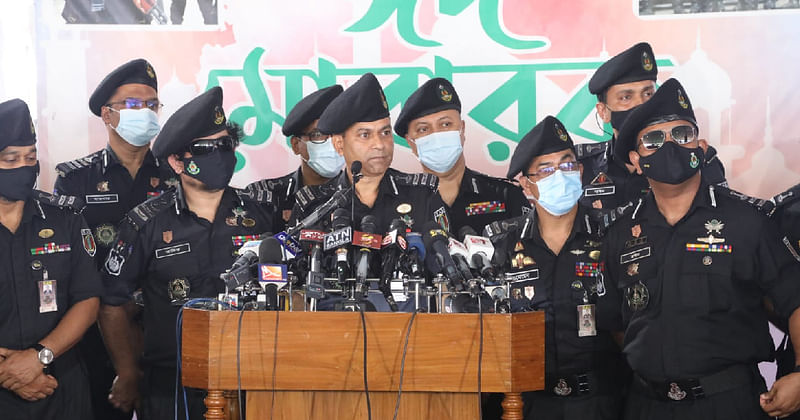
(215, 169)
(672, 163)
(17, 184)
(618, 117)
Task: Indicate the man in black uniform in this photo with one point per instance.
(124, 12)
(693, 263)
(621, 84)
(175, 246)
(555, 255)
(431, 123)
(320, 162)
(208, 8)
(111, 182)
(49, 283)
(358, 121)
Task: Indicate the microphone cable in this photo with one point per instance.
(403, 365)
(239, 363)
(366, 383)
(480, 355)
(275, 361)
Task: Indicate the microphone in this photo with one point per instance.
(271, 271)
(365, 241)
(393, 246)
(355, 170)
(240, 272)
(460, 256)
(338, 199)
(412, 260)
(435, 239)
(312, 240)
(480, 251)
(340, 236)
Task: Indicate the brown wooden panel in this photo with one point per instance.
(323, 351)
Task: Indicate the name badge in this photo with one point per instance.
(595, 191)
(102, 198)
(47, 296)
(634, 255)
(174, 250)
(532, 274)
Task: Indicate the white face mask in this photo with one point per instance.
(137, 126)
(439, 151)
(323, 158)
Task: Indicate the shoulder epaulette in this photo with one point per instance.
(764, 206)
(143, 213)
(585, 150)
(62, 201)
(310, 194)
(261, 196)
(788, 198)
(417, 179)
(604, 218)
(63, 169)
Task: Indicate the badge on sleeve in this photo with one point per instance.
(88, 242)
(115, 260)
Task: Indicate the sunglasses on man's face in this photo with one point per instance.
(681, 134)
(205, 146)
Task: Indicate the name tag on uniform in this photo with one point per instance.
(532, 274)
(174, 250)
(595, 191)
(47, 296)
(102, 198)
(634, 255)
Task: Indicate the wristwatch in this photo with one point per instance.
(46, 355)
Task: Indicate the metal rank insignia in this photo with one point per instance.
(178, 289)
(637, 296)
(166, 236)
(248, 222)
(562, 389)
(675, 392)
(46, 233)
(521, 260)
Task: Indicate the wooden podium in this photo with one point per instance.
(319, 363)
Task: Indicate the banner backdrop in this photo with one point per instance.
(512, 62)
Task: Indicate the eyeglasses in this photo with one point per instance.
(136, 103)
(205, 146)
(315, 137)
(550, 170)
(681, 134)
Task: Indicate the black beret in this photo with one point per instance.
(435, 95)
(632, 65)
(16, 126)
(364, 101)
(200, 117)
(309, 109)
(136, 71)
(669, 103)
(549, 136)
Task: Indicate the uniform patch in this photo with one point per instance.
(102, 199)
(114, 261)
(440, 216)
(241, 239)
(637, 296)
(485, 207)
(632, 256)
(50, 248)
(154, 181)
(103, 186)
(727, 249)
(636, 231)
(174, 250)
(166, 236)
(178, 289)
(588, 269)
(105, 234)
(88, 242)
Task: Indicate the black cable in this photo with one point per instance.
(403, 365)
(239, 362)
(366, 383)
(480, 356)
(275, 361)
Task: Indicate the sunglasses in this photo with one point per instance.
(206, 146)
(681, 134)
(550, 170)
(136, 103)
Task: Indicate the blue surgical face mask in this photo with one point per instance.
(137, 126)
(559, 192)
(324, 159)
(439, 151)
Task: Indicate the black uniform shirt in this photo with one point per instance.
(691, 294)
(174, 255)
(559, 283)
(608, 184)
(52, 240)
(482, 199)
(411, 197)
(283, 190)
(108, 190)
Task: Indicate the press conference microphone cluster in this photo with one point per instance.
(440, 261)
(393, 247)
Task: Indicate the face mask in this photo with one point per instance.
(618, 117)
(215, 169)
(137, 126)
(323, 159)
(672, 163)
(439, 151)
(559, 192)
(17, 184)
